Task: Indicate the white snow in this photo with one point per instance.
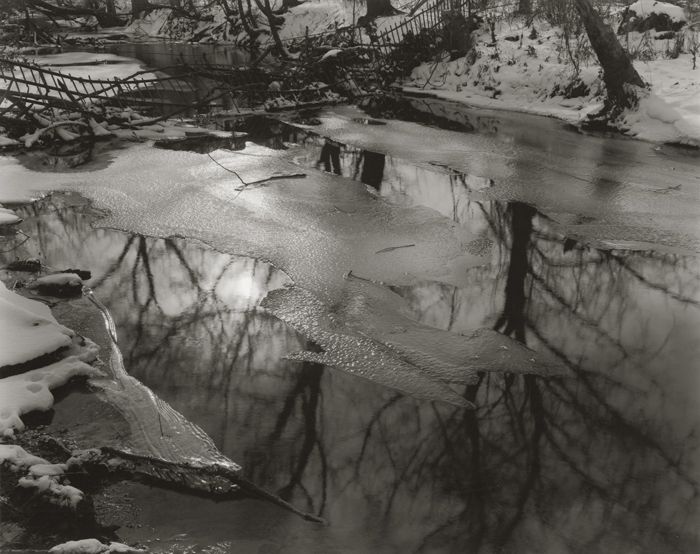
(23, 393)
(97, 65)
(647, 7)
(17, 457)
(151, 24)
(522, 76)
(27, 329)
(41, 475)
(7, 141)
(8, 217)
(92, 546)
(317, 16)
(63, 495)
(57, 279)
(671, 111)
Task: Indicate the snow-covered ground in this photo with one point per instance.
(529, 72)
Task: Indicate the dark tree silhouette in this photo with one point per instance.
(372, 169)
(618, 71)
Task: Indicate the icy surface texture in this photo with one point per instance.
(156, 429)
(609, 190)
(367, 335)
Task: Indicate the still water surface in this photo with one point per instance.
(605, 460)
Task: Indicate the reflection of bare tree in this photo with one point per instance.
(603, 458)
(512, 320)
(307, 393)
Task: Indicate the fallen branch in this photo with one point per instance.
(246, 185)
(215, 481)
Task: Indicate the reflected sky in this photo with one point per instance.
(605, 460)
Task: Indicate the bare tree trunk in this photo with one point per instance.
(273, 20)
(138, 6)
(524, 7)
(251, 30)
(618, 71)
(376, 8)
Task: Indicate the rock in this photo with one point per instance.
(658, 20)
(62, 285)
(31, 265)
(82, 273)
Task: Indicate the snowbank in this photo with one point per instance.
(152, 24)
(533, 74)
(317, 17)
(92, 546)
(26, 392)
(8, 217)
(647, 7)
(27, 329)
(17, 457)
(41, 475)
(56, 493)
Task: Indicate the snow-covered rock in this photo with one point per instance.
(41, 475)
(92, 546)
(644, 15)
(27, 330)
(8, 217)
(58, 284)
(26, 392)
(17, 457)
(7, 141)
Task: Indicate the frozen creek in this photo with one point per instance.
(600, 278)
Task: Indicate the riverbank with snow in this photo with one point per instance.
(529, 70)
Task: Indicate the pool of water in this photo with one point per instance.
(604, 459)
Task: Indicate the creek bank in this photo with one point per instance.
(73, 479)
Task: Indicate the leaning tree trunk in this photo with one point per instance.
(618, 71)
(137, 7)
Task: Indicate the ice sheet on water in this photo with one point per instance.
(316, 229)
(156, 429)
(443, 354)
(353, 351)
(367, 334)
(614, 184)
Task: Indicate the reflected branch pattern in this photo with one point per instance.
(606, 458)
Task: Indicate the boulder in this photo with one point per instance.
(646, 15)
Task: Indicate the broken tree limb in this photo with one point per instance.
(215, 481)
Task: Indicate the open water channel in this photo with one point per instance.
(588, 255)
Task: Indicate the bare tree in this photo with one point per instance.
(618, 72)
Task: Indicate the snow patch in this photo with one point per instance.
(41, 475)
(7, 141)
(17, 457)
(534, 75)
(62, 495)
(20, 394)
(57, 280)
(8, 217)
(92, 546)
(27, 329)
(647, 7)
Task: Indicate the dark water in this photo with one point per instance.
(605, 460)
(161, 53)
